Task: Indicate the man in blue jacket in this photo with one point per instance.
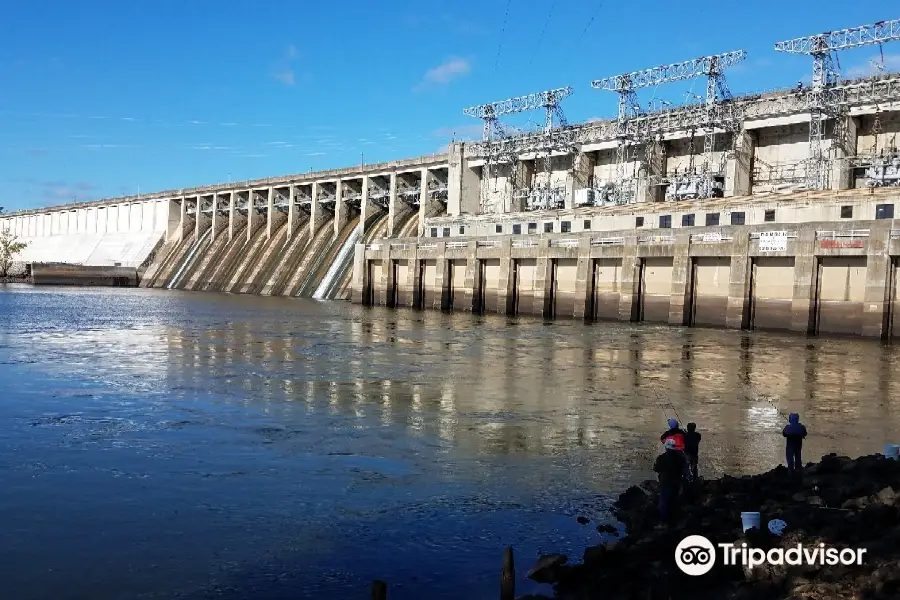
(794, 433)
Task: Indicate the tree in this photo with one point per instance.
(10, 246)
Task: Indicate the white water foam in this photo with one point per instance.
(187, 261)
(335, 267)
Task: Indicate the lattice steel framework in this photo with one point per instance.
(629, 108)
(822, 102)
(861, 92)
(499, 151)
(548, 100)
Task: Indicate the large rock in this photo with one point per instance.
(547, 568)
(841, 502)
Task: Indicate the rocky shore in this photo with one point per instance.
(840, 502)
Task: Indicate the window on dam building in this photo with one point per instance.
(846, 212)
(769, 216)
(462, 230)
(587, 225)
(665, 222)
(712, 219)
(687, 220)
(517, 229)
(532, 228)
(499, 229)
(884, 211)
(434, 232)
(548, 227)
(639, 221)
(565, 226)
(446, 232)
(737, 218)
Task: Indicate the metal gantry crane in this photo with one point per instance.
(625, 85)
(495, 134)
(822, 100)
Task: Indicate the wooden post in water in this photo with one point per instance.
(508, 576)
(379, 590)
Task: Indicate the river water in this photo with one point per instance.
(163, 444)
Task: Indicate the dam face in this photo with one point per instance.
(519, 225)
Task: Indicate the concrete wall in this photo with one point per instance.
(823, 278)
(123, 234)
(795, 207)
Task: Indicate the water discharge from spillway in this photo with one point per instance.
(322, 292)
(187, 261)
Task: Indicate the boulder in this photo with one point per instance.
(839, 501)
(547, 568)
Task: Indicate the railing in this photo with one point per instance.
(524, 244)
(399, 245)
(607, 241)
(487, 244)
(565, 243)
(457, 244)
(895, 234)
(373, 246)
(847, 233)
(656, 239)
(427, 246)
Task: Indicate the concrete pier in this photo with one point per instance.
(812, 277)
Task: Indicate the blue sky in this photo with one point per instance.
(107, 98)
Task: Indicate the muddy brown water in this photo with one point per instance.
(163, 444)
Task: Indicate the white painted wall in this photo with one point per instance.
(96, 235)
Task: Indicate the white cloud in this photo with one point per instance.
(286, 77)
(284, 72)
(867, 69)
(443, 74)
(315, 154)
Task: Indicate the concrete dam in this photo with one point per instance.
(634, 217)
(285, 236)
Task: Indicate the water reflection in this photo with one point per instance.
(398, 423)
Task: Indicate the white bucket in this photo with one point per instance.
(892, 451)
(750, 519)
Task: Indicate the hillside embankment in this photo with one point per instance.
(839, 502)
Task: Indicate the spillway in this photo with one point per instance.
(254, 257)
(333, 273)
(186, 263)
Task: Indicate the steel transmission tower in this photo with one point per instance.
(496, 137)
(625, 85)
(823, 102)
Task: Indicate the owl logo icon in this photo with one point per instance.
(695, 555)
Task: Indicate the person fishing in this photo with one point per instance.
(676, 435)
(692, 449)
(670, 467)
(794, 433)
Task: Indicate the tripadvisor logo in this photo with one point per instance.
(695, 555)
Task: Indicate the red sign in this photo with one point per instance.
(842, 244)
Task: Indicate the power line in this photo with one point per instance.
(543, 31)
(591, 21)
(502, 31)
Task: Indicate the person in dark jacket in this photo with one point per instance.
(794, 433)
(692, 448)
(670, 467)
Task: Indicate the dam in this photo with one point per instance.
(659, 214)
